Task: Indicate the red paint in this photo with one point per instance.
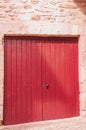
(31, 65)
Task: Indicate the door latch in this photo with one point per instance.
(46, 86)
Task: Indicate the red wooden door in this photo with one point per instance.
(60, 74)
(41, 79)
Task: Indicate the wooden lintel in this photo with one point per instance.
(43, 35)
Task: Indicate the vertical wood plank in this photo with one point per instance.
(72, 45)
(46, 92)
(8, 83)
(67, 78)
(53, 92)
(43, 78)
(43, 65)
(24, 85)
(58, 107)
(13, 80)
(61, 79)
(60, 92)
(29, 81)
(65, 74)
(38, 80)
(19, 81)
(61, 106)
(34, 82)
(5, 81)
(48, 79)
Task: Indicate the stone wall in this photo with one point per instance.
(60, 17)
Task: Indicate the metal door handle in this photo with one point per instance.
(46, 86)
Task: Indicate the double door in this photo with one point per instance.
(41, 79)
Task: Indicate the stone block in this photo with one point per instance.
(27, 6)
(36, 17)
(7, 9)
(7, 1)
(68, 5)
(2, 14)
(34, 1)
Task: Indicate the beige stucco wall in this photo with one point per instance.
(60, 17)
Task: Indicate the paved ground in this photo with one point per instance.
(78, 123)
